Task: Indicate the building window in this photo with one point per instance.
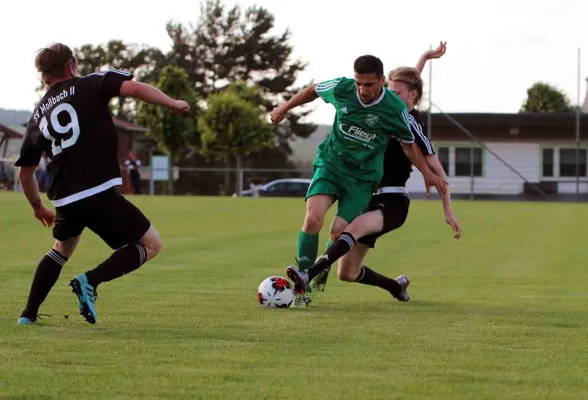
(467, 158)
(548, 162)
(567, 162)
(443, 156)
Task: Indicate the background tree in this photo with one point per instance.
(172, 132)
(234, 44)
(232, 128)
(143, 61)
(542, 97)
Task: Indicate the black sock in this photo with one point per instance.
(45, 277)
(335, 252)
(372, 278)
(123, 261)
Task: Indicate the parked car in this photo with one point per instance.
(281, 188)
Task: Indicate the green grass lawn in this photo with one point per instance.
(500, 314)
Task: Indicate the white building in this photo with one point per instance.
(510, 153)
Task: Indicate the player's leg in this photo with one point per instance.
(393, 209)
(319, 198)
(127, 231)
(364, 224)
(67, 233)
(353, 200)
(351, 269)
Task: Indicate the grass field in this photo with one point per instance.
(500, 314)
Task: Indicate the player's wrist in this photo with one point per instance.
(37, 204)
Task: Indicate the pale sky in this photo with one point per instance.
(496, 49)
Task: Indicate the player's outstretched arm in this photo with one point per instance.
(435, 165)
(417, 159)
(28, 182)
(430, 54)
(150, 94)
(304, 96)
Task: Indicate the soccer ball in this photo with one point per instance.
(275, 291)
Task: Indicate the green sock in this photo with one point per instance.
(307, 249)
(329, 244)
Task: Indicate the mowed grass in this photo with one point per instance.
(500, 314)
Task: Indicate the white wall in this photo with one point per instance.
(497, 177)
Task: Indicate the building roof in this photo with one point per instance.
(10, 132)
(519, 120)
(128, 126)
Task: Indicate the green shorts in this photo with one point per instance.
(353, 196)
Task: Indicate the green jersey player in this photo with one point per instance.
(349, 164)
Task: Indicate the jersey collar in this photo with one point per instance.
(373, 103)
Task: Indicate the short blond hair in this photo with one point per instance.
(411, 77)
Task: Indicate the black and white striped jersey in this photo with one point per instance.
(397, 167)
(73, 125)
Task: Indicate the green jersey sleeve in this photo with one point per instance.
(402, 126)
(326, 90)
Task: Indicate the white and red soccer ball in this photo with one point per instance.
(275, 291)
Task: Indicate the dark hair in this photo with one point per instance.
(369, 65)
(51, 61)
(411, 77)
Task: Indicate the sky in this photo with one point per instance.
(495, 49)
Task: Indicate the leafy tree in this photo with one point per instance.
(232, 128)
(542, 97)
(234, 44)
(143, 61)
(172, 132)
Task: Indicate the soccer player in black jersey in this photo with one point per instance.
(388, 208)
(72, 123)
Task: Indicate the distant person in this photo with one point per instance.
(73, 124)
(133, 164)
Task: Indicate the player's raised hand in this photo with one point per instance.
(45, 215)
(438, 52)
(278, 114)
(180, 106)
(455, 225)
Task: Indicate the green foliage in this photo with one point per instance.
(232, 127)
(542, 97)
(172, 132)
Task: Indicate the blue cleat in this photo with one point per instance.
(25, 321)
(86, 296)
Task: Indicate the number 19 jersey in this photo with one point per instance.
(360, 132)
(73, 125)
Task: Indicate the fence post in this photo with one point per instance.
(472, 189)
(151, 178)
(240, 174)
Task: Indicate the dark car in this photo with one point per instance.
(281, 188)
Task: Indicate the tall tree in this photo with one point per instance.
(234, 44)
(143, 61)
(543, 97)
(172, 132)
(232, 128)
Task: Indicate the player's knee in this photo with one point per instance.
(313, 222)
(346, 274)
(152, 243)
(65, 251)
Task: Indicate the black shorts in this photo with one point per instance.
(108, 214)
(394, 206)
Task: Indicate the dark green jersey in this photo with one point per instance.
(356, 144)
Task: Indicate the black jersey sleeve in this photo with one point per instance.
(31, 148)
(111, 81)
(420, 138)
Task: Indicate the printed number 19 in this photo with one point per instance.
(73, 126)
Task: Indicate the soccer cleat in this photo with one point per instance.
(299, 277)
(320, 281)
(301, 300)
(26, 321)
(403, 281)
(86, 296)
